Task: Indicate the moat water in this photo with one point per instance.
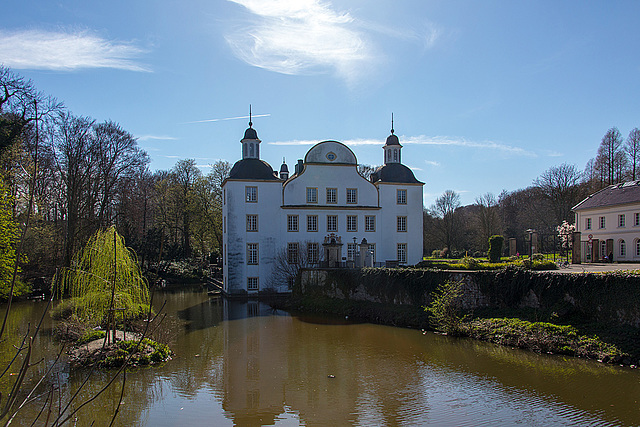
(241, 363)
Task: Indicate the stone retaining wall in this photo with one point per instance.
(601, 297)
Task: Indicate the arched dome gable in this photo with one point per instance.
(331, 152)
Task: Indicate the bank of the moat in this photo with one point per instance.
(602, 305)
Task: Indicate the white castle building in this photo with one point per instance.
(324, 215)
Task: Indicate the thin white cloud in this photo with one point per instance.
(66, 51)
(415, 168)
(461, 142)
(432, 163)
(156, 137)
(554, 154)
(349, 142)
(427, 140)
(302, 37)
(227, 118)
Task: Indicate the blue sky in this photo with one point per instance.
(486, 95)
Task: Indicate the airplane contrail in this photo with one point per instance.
(228, 118)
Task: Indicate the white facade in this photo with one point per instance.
(609, 223)
(265, 217)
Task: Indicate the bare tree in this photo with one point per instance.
(559, 186)
(488, 218)
(632, 149)
(185, 174)
(445, 209)
(366, 170)
(288, 261)
(74, 144)
(609, 156)
(117, 160)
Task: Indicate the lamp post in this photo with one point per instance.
(531, 231)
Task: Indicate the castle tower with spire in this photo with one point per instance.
(274, 220)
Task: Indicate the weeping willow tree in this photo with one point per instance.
(104, 277)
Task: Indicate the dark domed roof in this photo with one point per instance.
(394, 172)
(392, 140)
(252, 169)
(250, 133)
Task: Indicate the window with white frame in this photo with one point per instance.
(351, 251)
(312, 222)
(313, 253)
(352, 195)
(636, 218)
(372, 251)
(370, 223)
(332, 195)
(587, 224)
(292, 222)
(623, 249)
(252, 283)
(402, 223)
(332, 222)
(402, 253)
(251, 194)
(602, 222)
(312, 195)
(292, 253)
(401, 197)
(637, 247)
(603, 249)
(621, 220)
(252, 222)
(252, 253)
(352, 223)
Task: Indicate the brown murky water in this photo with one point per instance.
(240, 363)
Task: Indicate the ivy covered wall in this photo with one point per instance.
(612, 297)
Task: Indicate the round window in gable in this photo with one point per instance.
(331, 156)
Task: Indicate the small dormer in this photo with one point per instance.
(392, 148)
(250, 142)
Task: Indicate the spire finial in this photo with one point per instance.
(250, 123)
(392, 123)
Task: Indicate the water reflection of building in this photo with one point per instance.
(273, 365)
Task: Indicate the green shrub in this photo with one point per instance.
(91, 335)
(541, 337)
(470, 263)
(537, 257)
(495, 247)
(445, 307)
